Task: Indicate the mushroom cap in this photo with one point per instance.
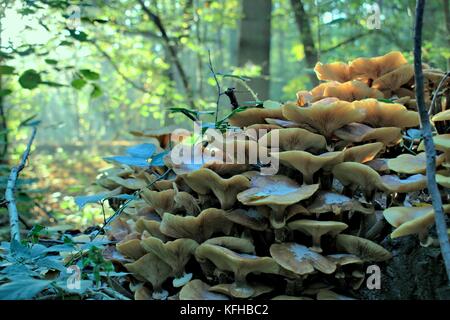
(413, 183)
(363, 153)
(161, 201)
(373, 68)
(236, 244)
(315, 227)
(282, 123)
(307, 163)
(300, 259)
(411, 164)
(252, 116)
(295, 139)
(358, 132)
(198, 228)
(380, 114)
(152, 227)
(131, 248)
(152, 269)
(395, 78)
(227, 289)
(326, 116)
(326, 294)
(175, 253)
(336, 203)
(379, 165)
(351, 91)
(443, 178)
(335, 71)
(342, 259)
(363, 248)
(357, 174)
(250, 218)
(205, 181)
(198, 290)
(410, 220)
(442, 116)
(441, 143)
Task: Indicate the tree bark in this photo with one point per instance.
(254, 42)
(306, 36)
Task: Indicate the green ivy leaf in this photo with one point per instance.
(96, 91)
(78, 83)
(30, 79)
(89, 74)
(51, 61)
(79, 35)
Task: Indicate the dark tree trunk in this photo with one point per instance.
(254, 42)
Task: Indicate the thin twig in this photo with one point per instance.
(433, 190)
(436, 93)
(219, 90)
(11, 186)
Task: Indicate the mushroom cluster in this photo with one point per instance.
(228, 230)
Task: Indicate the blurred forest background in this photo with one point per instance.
(91, 71)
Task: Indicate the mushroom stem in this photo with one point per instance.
(316, 242)
(277, 216)
(280, 235)
(240, 287)
(326, 180)
(182, 280)
(425, 239)
(160, 294)
(308, 178)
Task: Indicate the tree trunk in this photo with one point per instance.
(306, 36)
(254, 42)
(447, 26)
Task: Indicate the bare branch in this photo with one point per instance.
(430, 151)
(346, 41)
(11, 186)
(436, 93)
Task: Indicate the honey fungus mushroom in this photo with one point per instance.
(411, 164)
(412, 220)
(295, 139)
(335, 71)
(277, 192)
(316, 229)
(175, 253)
(307, 163)
(254, 116)
(240, 264)
(325, 116)
(200, 228)
(358, 132)
(337, 203)
(363, 248)
(198, 290)
(205, 181)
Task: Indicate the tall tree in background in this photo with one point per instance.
(254, 42)
(304, 26)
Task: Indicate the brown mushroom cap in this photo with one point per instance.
(251, 219)
(358, 175)
(307, 163)
(277, 192)
(154, 270)
(205, 181)
(152, 227)
(240, 264)
(443, 178)
(241, 245)
(411, 164)
(175, 253)
(358, 132)
(227, 289)
(363, 248)
(131, 248)
(412, 220)
(363, 153)
(413, 183)
(336, 203)
(198, 228)
(342, 259)
(335, 71)
(254, 116)
(395, 78)
(380, 114)
(299, 259)
(198, 290)
(373, 68)
(295, 139)
(442, 116)
(161, 201)
(316, 229)
(325, 116)
(352, 91)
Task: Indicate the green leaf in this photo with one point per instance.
(66, 43)
(79, 35)
(30, 79)
(5, 92)
(78, 83)
(96, 91)
(51, 61)
(89, 74)
(6, 70)
(23, 289)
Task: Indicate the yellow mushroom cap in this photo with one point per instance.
(373, 68)
(198, 290)
(443, 178)
(442, 116)
(295, 139)
(411, 164)
(363, 248)
(352, 91)
(363, 153)
(254, 116)
(395, 78)
(336, 203)
(358, 174)
(358, 132)
(336, 71)
(413, 183)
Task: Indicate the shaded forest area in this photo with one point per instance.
(104, 84)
